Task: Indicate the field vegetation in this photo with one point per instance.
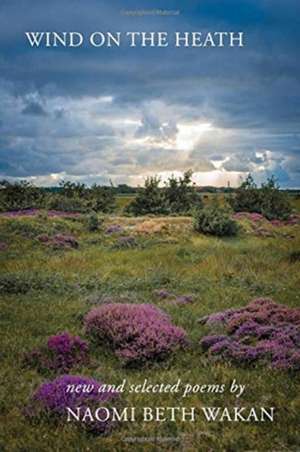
(68, 284)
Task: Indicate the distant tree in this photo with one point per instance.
(247, 197)
(150, 200)
(101, 199)
(274, 203)
(181, 195)
(20, 195)
(178, 196)
(267, 200)
(78, 197)
(72, 189)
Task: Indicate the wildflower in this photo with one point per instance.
(54, 399)
(61, 353)
(138, 333)
(263, 330)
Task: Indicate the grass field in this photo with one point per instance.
(45, 291)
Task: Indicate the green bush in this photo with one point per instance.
(68, 197)
(274, 203)
(267, 200)
(23, 282)
(178, 197)
(20, 195)
(76, 197)
(62, 203)
(215, 220)
(294, 256)
(150, 200)
(93, 222)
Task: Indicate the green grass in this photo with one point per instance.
(221, 273)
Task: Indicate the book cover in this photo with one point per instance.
(149, 225)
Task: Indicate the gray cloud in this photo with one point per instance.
(92, 113)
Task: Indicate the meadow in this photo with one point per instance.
(48, 289)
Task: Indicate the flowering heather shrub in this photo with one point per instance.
(114, 229)
(58, 241)
(254, 216)
(293, 219)
(3, 246)
(162, 293)
(52, 398)
(61, 353)
(125, 242)
(35, 212)
(184, 299)
(138, 333)
(263, 330)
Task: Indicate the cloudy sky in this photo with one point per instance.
(98, 114)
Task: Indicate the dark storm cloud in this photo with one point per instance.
(52, 126)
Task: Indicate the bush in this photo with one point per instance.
(215, 220)
(52, 399)
(20, 195)
(178, 196)
(114, 229)
(59, 241)
(93, 222)
(125, 242)
(267, 200)
(61, 353)
(23, 282)
(69, 197)
(150, 200)
(294, 256)
(62, 203)
(138, 333)
(262, 331)
(274, 203)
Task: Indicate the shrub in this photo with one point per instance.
(178, 196)
(20, 195)
(93, 222)
(23, 282)
(274, 203)
(125, 242)
(63, 203)
(184, 299)
(138, 333)
(262, 331)
(26, 228)
(100, 199)
(58, 241)
(215, 220)
(267, 200)
(294, 256)
(247, 197)
(3, 246)
(61, 353)
(114, 229)
(150, 200)
(52, 399)
(162, 293)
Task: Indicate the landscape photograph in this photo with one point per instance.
(149, 226)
